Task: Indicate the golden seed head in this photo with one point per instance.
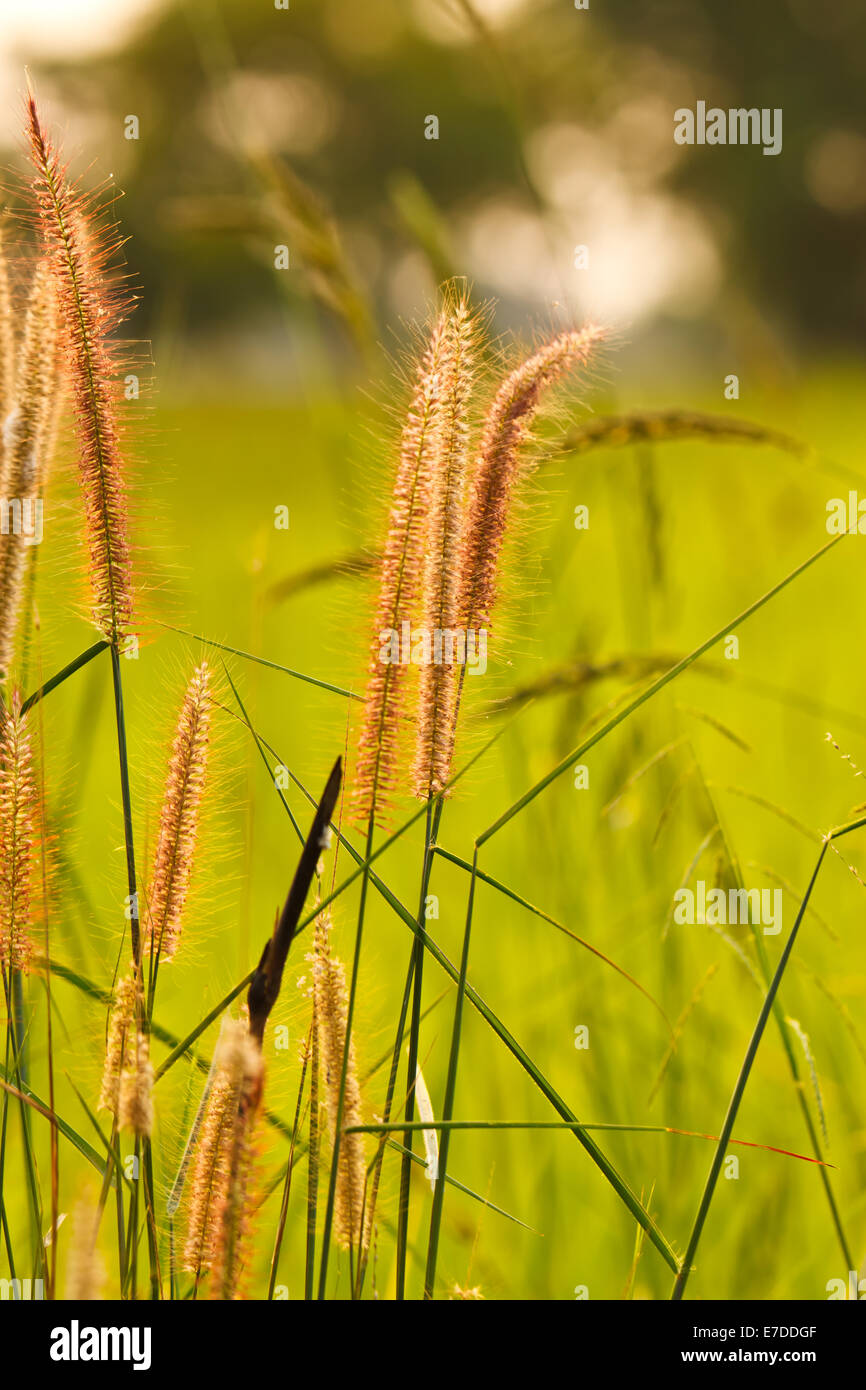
(91, 306)
(135, 1101)
(85, 1271)
(178, 826)
(18, 822)
(127, 1074)
(501, 464)
(399, 579)
(331, 1009)
(120, 1020)
(26, 438)
(220, 1204)
(443, 541)
(7, 350)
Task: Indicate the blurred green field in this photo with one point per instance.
(682, 537)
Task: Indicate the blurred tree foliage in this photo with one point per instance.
(255, 119)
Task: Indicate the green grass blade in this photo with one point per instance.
(63, 675)
(546, 917)
(30, 1098)
(459, 1186)
(263, 661)
(647, 694)
(548, 1091)
(450, 1092)
(739, 1089)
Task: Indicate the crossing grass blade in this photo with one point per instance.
(63, 675)
(263, 661)
(546, 917)
(651, 690)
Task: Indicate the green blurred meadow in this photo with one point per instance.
(744, 737)
(275, 394)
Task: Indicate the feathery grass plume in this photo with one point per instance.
(7, 351)
(349, 566)
(220, 1198)
(92, 305)
(26, 438)
(18, 822)
(85, 1270)
(441, 579)
(399, 578)
(500, 465)
(121, 1017)
(662, 426)
(127, 1075)
(135, 1102)
(178, 826)
(315, 239)
(331, 1011)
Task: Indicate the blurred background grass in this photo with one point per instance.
(260, 127)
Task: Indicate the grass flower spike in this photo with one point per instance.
(331, 1011)
(127, 1077)
(7, 349)
(220, 1204)
(400, 578)
(91, 308)
(18, 821)
(85, 1270)
(444, 533)
(26, 442)
(501, 464)
(178, 826)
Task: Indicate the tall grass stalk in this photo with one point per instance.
(739, 1088)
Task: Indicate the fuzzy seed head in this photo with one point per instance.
(18, 822)
(331, 1009)
(135, 1101)
(120, 1021)
(178, 826)
(220, 1206)
(127, 1075)
(85, 1271)
(399, 578)
(26, 440)
(79, 253)
(7, 349)
(443, 540)
(500, 465)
